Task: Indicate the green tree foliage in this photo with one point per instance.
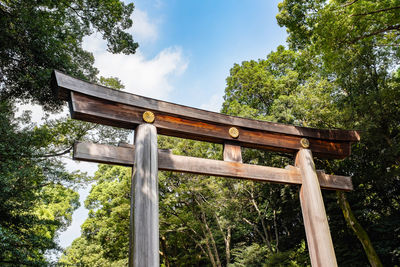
(358, 42)
(105, 234)
(285, 88)
(315, 99)
(34, 201)
(39, 36)
(37, 193)
(338, 75)
(361, 22)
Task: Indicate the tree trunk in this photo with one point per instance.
(266, 237)
(361, 234)
(210, 254)
(227, 239)
(228, 246)
(276, 232)
(214, 245)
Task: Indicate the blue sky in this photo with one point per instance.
(188, 47)
(186, 51)
(213, 36)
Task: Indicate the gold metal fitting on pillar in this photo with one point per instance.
(148, 117)
(305, 143)
(234, 132)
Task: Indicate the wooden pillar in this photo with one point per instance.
(232, 152)
(319, 239)
(144, 234)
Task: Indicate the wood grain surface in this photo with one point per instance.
(103, 105)
(168, 162)
(320, 246)
(232, 152)
(92, 109)
(144, 200)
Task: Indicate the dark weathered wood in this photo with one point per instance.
(232, 153)
(169, 162)
(87, 108)
(64, 84)
(319, 239)
(145, 199)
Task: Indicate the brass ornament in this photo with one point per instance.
(148, 117)
(234, 132)
(305, 143)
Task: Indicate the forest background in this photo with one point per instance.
(338, 69)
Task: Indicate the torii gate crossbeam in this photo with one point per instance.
(94, 103)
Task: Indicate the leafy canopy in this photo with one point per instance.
(39, 36)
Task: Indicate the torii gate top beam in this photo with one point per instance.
(99, 104)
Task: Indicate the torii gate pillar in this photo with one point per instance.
(320, 246)
(144, 234)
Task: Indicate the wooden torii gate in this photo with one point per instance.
(98, 104)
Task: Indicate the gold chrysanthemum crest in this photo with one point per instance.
(234, 132)
(148, 117)
(305, 143)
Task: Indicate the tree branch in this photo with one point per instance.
(265, 241)
(204, 219)
(260, 217)
(389, 28)
(376, 11)
(56, 154)
(276, 232)
(210, 255)
(358, 230)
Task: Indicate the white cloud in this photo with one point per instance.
(94, 43)
(214, 103)
(148, 77)
(37, 112)
(143, 30)
(151, 77)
